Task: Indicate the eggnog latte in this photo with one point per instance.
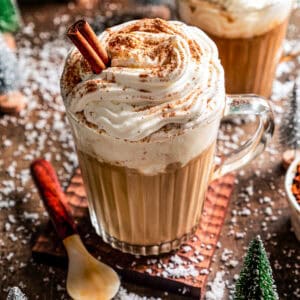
(145, 129)
(248, 34)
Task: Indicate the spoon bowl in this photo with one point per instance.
(87, 277)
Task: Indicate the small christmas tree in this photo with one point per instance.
(9, 16)
(256, 281)
(290, 126)
(16, 294)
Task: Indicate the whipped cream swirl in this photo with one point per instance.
(164, 78)
(235, 18)
(244, 5)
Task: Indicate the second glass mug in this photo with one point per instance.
(249, 40)
(153, 214)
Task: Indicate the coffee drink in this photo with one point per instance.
(145, 130)
(248, 34)
(161, 209)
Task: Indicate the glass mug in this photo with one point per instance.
(249, 41)
(153, 214)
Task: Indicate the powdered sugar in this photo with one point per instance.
(125, 295)
(217, 287)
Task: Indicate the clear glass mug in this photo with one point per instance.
(153, 214)
(249, 41)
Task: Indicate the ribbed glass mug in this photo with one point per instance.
(149, 214)
(249, 40)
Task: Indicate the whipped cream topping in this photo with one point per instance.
(244, 5)
(235, 18)
(157, 106)
(164, 78)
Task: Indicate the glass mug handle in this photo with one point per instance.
(247, 105)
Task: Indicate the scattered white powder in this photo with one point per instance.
(240, 235)
(10, 256)
(281, 89)
(11, 218)
(123, 294)
(264, 200)
(30, 216)
(12, 237)
(186, 248)
(60, 288)
(268, 211)
(7, 143)
(7, 226)
(204, 272)
(16, 294)
(250, 190)
(233, 263)
(217, 287)
(245, 212)
(226, 255)
(236, 277)
(7, 203)
(179, 271)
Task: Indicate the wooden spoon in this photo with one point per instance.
(88, 278)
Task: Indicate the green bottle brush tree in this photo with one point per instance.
(256, 281)
(9, 16)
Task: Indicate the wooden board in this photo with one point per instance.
(195, 255)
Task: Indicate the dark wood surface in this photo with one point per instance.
(19, 224)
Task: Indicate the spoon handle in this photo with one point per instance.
(53, 197)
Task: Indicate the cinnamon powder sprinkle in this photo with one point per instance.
(71, 76)
(124, 44)
(91, 87)
(195, 50)
(144, 75)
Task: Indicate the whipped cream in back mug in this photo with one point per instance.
(146, 128)
(235, 18)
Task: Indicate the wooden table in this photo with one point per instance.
(19, 222)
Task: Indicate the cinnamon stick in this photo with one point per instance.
(86, 41)
(89, 34)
